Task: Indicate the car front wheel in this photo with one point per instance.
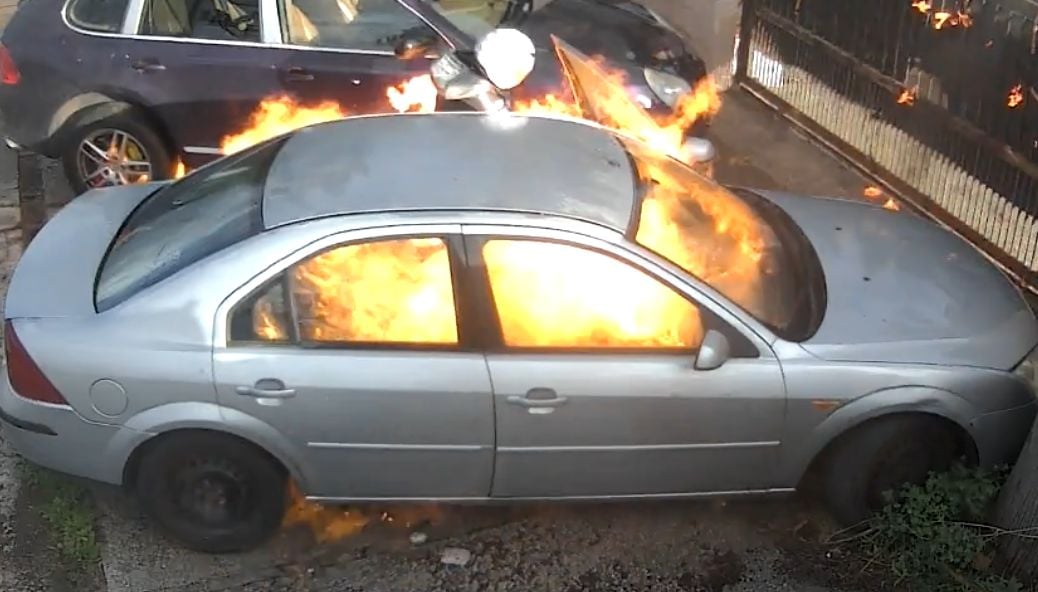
(883, 456)
(213, 493)
(116, 150)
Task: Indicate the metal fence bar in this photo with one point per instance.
(878, 111)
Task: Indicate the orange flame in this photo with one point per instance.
(1016, 96)
(330, 524)
(907, 97)
(922, 6)
(282, 114)
(615, 109)
(276, 116)
(417, 94)
(956, 19)
(875, 193)
(179, 169)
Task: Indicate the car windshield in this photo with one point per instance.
(206, 212)
(740, 248)
(475, 17)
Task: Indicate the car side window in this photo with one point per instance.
(103, 16)
(225, 20)
(349, 24)
(553, 295)
(393, 292)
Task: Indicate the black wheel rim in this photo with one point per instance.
(210, 494)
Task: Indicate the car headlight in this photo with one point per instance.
(1028, 370)
(668, 87)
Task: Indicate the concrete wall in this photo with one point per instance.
(710, 27)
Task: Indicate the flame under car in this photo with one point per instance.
(476, 308)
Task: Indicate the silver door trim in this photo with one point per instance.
(203, 150)
(639, 447)
(270, 22)
(417, 447)
(270, 32)
(507, 500)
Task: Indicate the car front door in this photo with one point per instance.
(592, 358)
(351, 351)
(202, 66)
(343, 51)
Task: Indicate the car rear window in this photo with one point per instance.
(185, 222)
(105, 16)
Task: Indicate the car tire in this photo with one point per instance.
(156, 150)
(883, 455)
(212, 493)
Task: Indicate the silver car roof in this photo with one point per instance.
(451, 161)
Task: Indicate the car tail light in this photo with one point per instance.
(27, 380)
(9, 73)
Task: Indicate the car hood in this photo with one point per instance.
(617, 30)
(902, 289)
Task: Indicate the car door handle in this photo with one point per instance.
(147, 66)
(298, 75)
(267, 388)
(538, 397)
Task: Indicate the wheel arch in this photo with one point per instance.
(954, 413)
(183, 419)
(88, 107)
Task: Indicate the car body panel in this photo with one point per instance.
(901, 288)
(714, 430)
(110, 446)
(208, 83)
(70, 248)
(59, 68)
(561, 153)
(414, 423)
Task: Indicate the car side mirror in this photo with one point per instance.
(410, 48)
(713, 352)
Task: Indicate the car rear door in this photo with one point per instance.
(202, 66)
(351, 350)
(343, 51)
(592, 360)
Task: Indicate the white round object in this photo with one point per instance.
(507, 56)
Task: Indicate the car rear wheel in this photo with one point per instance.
(883, 456)
(116, 150)
(213, 493)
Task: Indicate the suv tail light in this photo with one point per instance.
(27, 380)
(9, 73)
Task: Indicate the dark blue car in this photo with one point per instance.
(121, 89)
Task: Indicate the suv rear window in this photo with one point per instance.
(185, 222)
(105, 16)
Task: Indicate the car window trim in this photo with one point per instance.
(270, 31)
(451, 235)
(476, 235)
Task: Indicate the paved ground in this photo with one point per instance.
(683, 546)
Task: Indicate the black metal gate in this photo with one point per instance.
(939, 102)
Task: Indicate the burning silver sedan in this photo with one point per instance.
(495, 307)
